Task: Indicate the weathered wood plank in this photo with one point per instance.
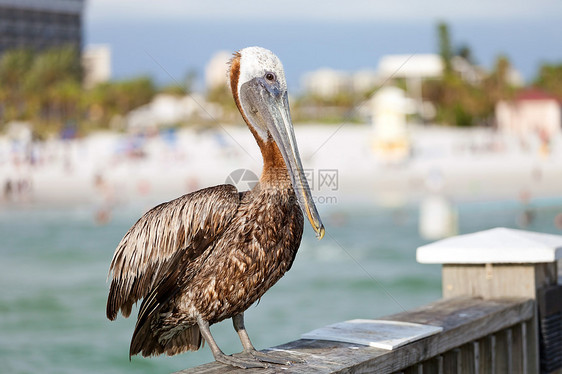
(463, 320)
(524, 348)
(532, 331)
(416, 369)
(517, 349)
(439, 360)
(491, 281)
(468, 363)
(509, 339)
(452, 362)
(476, 356)
(431, 366)
(502, 355)
(486, 362)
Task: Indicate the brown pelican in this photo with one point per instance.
(209, 255)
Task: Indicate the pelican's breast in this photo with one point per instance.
(259, 249)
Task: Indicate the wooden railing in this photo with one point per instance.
(490, 315)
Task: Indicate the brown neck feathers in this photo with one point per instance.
(274, 168)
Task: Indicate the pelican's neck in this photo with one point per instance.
(274, 173)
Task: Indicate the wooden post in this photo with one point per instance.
(499, 263)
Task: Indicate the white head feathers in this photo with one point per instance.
(256, 61)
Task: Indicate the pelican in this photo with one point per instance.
(209, 255)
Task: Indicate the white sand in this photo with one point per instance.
(462, 164)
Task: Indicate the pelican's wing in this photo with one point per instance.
(184, 226)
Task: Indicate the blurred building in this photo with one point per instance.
(390, 106)
(96, 61)
(364, 81)
(215, 70)
(532, 112)
(425, 66)
(411, 66)
(326, 83)
(39, 24)
(413, 69)
(168, 110)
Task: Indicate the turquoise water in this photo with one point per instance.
(54, 263)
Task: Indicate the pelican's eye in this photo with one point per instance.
(270, 77)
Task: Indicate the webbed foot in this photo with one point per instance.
(243, 361)
(275, 357)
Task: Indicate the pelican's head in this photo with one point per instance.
(257, 80)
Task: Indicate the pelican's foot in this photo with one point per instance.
(275, 358)
(242, 361)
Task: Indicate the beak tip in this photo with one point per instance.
(320, 233)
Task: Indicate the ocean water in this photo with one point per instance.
(54, 263)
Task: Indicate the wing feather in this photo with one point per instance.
(187, 224)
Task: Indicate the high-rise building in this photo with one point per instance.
(96, 62)
(40, 24)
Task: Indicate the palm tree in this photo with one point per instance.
(14, 65)
(106, 100)
(550, 79)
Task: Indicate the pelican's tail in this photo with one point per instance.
(176, 340)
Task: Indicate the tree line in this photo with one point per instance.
(463, 103)
(45, 89)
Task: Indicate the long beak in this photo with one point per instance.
(282, 131)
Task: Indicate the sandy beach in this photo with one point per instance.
(110, 168)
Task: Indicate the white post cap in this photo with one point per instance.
(496, 246)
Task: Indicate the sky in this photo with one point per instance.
(169, 38)
(327, 10)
